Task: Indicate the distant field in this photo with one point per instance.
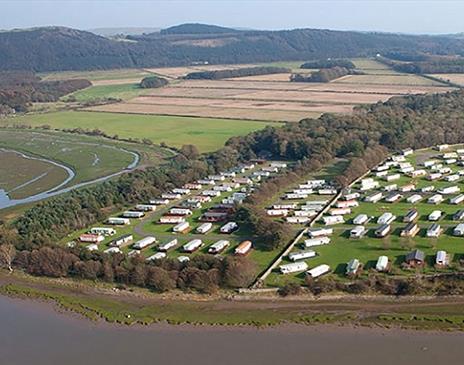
(118, 91)
(454, 78)
(206, 133)
(394, 79)
(117, 74)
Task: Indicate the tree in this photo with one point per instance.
(239, 272)
(7, 255)
(159, 279)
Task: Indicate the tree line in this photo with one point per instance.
(328, 63)
(324, 75)
(235, 72)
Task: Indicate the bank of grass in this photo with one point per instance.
(208, 134)
(99, 75)
(118, 91)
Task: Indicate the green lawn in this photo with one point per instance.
(123, 91)
(207, 134)
(116, 74)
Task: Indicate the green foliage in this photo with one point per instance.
(328, 63)
(152, 82)
(236, 72)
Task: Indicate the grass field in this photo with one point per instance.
(207, 134)
(119, 91)
(454, 78)
(101, 75)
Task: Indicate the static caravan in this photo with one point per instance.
(192, 186)
(294, 196)
(407, 188)
(410, 230)
(192, 245)
(382, 231)
(442, 259)
(386, 218)
(382, 168)
(327, 191)
(199, 199)
(333, 219)
(353, 267)
(180, 211)
(183, 259)
(413, 199)
(94, 238)
(451, 178)
(118, 242)
(417, 173)
(303, 191)
(318, 241)
(168, 245)
(181, 227)
(393, 197)
(358, 232)
(381, 173)
(435, 199)
(457, 199)
(206, 182)
(459, 230)
(145, 207)
(243, 181)
(293, 267)
(449, 190)
(133, 214)
(218, 246)
(92, 247)
(406, 170)
(415, 258)
(382, 264)
(436, 167)
(435, 215)
(298, 220)
(117, 221)
(229, 227)
(459, 215)
(204, 228)
(304, 213)
(428, 189)
(318, 271)
(171, 196)
(156, 256)
(281, 165)
(403, 165)
(445, 170)
(222, 188)
(144, 242)
(262, 173)
(243, 248)
(346, 204)
(301, 255)
(277, 212)
(429, 163)
(314, 208)
(316, 183)
(112, 250)
(374, 198)
(360, 219)
(211, 193)
(217, 177)
(317, 202)
(159, 201)
(391, 187)
(171, 219)
(133, 253)
(319, 232)
(448, 155)
(411, 216)
(434, 176)
(182, 191)
(392, 177)
(339, 211)
(350, 196)
(441, 147)
(270, 169)
(407, 151)
(451, 161)
(103, 231)
(434, 231)
(369, 185)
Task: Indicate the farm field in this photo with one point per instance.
(393, 79)
(108, 89)
(368, 248)
(206, 133)
(454, 78)
(97, 76)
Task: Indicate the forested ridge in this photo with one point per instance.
(58, 48)
(364, 138)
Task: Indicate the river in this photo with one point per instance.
(32, 332)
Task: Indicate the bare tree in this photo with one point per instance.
(7, 255)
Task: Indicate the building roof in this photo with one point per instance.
(416, 255)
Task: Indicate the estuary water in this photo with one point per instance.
(34, 333)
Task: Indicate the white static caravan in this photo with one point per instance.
(381, 173)
(442, 258)
(211, 193)
(393, 197)
(242, 181)
(146, 207)
(156, 256)
(159, 201)
(92, 247)
(350, 196)
(301, 255)
(451, 161)
(390, 187)
(305, 213)
(277, 212)
(318, 271)
(218, 246)
(103, 231)
(448, 155)
(360, 219)
(144, 242)
(314, 208)
(316, 202)
(171, 219)
(374, 198)
(382, 168)
(435, 215)
(435, 199)
(413, 199)
(183, 259)
(222, 188)
(171, 196)
(270, 169)
(382, 264)
(181, 227)
(441, 147)
(192, 186)
(229, 227)
(428, 189)
(436, 167)
(457, 199)
(407, 151)
(118, 221)
(369, 185)
(204, 228)
(411, 216)
(180, 211)
(459, 230)
(339, 211)
(217, 177)
(392, 177)
(278, 164)
(112, 250)
(445, 170)
(168, 245)
(318, 241)
(320, 232)
(182, 191)
(206, 182)
(449, 190)
(382, 230)
(417, 173)
(298, 220)
(94, 238)
(358, 232)
(316, 183)
(303, 191)
(407, 188)
(434, 176)
(386, 218)
(285, 206)
(452, 178)
(133, 214)
(118, 242)
(429, 163)
(346, 204)
(407, 170)
(433, 231)
(333, 219)
(293, 196)
(328, 191)
(293, 267)
(243, 248)
(192, 245)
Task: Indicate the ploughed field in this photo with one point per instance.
(396, 245)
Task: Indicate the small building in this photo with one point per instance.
(94, 238)
(318, 241)
(243, 248)
(277, 212)
(449, 190)
(182, 191)
(411, 216)
(183, 259)
(435, 199)
(346, 204)
(301, 255)
(407, 188)
(416, 173)
(360, 219)
(180, 211)
(386, 218)
(145, 207)
(320, 232)
(413, 199)
(434, 176)
(118, 221)
(168, 245)
(459, 215)
(458, 199)
(333, 219)
(171, 196)
(358, 232)
(133, 214)
(442, 259)
(204, 228)
(156, 256)
(181, 227)
(298, 220)
(427, 189)
(229, 227)
(459, 230)
(318, 271)
(393, 197)
(434, 231)
(293, 267)
(353, 267)
(104, 231)
(218, 246)
(144, 242)
(410, 230)
(382, 231)
(374, 198)
(120, 241)
(415, 258)
(159, 201)
(192, 245)
(391, 187)
(112, 250)
(435, 215)
(382, 264)
(339, 211)
(392, 177)
(171, 219)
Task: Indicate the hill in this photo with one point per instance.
(58, 48)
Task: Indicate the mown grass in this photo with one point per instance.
(208, 134)
(123, 92)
